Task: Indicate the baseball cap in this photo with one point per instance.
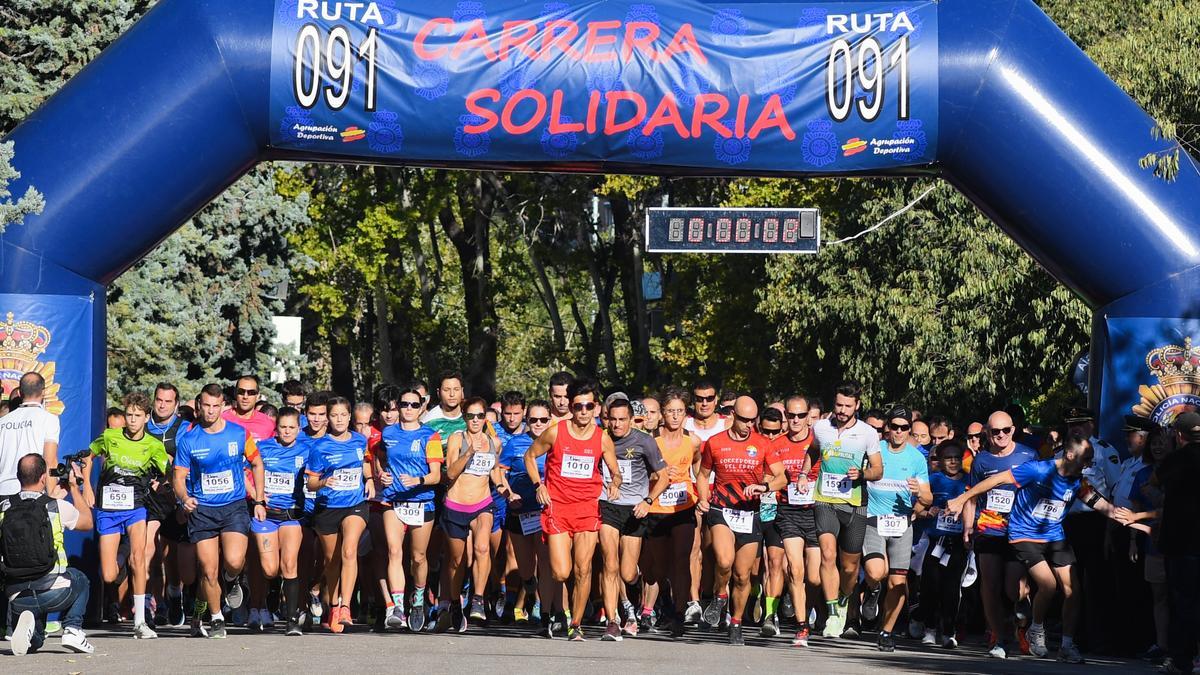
(615, 396)
(1188, 424)
(639, 408)
(900, 411)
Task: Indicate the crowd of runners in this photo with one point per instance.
(690, 509)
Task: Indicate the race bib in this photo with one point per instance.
(531, 522)
(798, 498)
(948, 523)
(739, 521)
(769, 498)
(279, 483)
(676, 494)
(345, 479)
(410, 513)
(891, 526)
(837, 485)
(626, 467)
(1000, 501)
(217, 483)
(578, 466)
(481, 464)
(118, 497)
(1049, 509)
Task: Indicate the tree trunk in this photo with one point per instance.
(383, 334)
(469, 231)
(549, 300)
(628, 249)
(603, 331)
(341, 361)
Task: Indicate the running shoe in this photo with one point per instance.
(218, 631)
(735, 636)
(950, 642)
(612, 633)
(198, 629)
(630, 612)
(1022, 640)
(850, 632)
(870, 604)
(801, 638)
(770, 626)
(416, 618)
(266, 619)
(335, 619)
(395, 619)
(1069, 654)
(500, 606)
(834, 625)
(575, 634)
(715, 611)
(53, 627)
(645, 623)
(255, 623)
(293, 629)
(558, 623)
(478, 609)
(1037, 641)
(887, 643)
(175, 613)
(786, 608)
(22, 634)
(997, 651)
(234, 597)
(314, 605)
(630, 628)
(520, 615)
(74, 640)
(444, 621)
(345, 619)
(1154, 654)
(676, 627)
(693, 613)
(930, 637)
(1023, 610)
(916, 629)
(143, 632)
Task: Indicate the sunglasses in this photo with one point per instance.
(1003, 431)
(475, 416)
(796, 416)
(975, 437)
(639, 420)
(899, 427)
(583, 406)
(745, 420)
(538, 420)
(247, 392)
(705, 399)
(878, 429)
(770, 432)
(408, 404)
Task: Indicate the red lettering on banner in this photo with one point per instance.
(562, 41)
(711, 118)
(593, 110)
(772, 116)
(556, 125)
(739, 120)
(517, 35)
(475, 36)
(506, 116)
(684, 42)
(643, 43)
(423, 35)
(612, 100)
(667, 113)
(489, 117)
(593, 39)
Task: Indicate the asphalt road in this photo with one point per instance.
(506, 650)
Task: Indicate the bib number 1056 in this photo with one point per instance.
(863, 68)
(327, 67)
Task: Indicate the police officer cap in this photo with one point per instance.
(1188, 424)
(1139, 423)
(1071, 415)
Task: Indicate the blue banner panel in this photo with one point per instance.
(1152, 369)
(708, 88)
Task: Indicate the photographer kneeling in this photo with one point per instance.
(34, 561)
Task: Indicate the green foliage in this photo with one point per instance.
(14, 212)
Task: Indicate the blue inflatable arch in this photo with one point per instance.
(1011, 112)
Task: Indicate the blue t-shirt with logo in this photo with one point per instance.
(890, 495)
(513, 457)
(945, 488)
(283, 472)
(342, 463)
(1042, 501)
(410, 453)
(216, 462)
(993, 522)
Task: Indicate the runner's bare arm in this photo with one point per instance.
(874, 470)
(456, 457)
(540, 447)
(614, 469)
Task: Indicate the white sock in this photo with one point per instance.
(218, 616)
(139, 609)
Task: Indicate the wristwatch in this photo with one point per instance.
(261, 503)
(648, 500)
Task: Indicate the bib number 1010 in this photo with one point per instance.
(325, 67)
(862, 68)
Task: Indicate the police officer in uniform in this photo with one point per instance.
(1131, 593)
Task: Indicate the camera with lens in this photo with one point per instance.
(63, 471)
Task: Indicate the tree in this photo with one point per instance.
(31, 203)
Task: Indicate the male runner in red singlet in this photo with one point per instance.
(571, 493)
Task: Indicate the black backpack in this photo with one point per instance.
(27, 549)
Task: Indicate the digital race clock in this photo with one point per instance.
(703, 230)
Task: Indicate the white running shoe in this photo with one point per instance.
(141, 631)
(76, 641)
(22, 634)
(997, 651)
